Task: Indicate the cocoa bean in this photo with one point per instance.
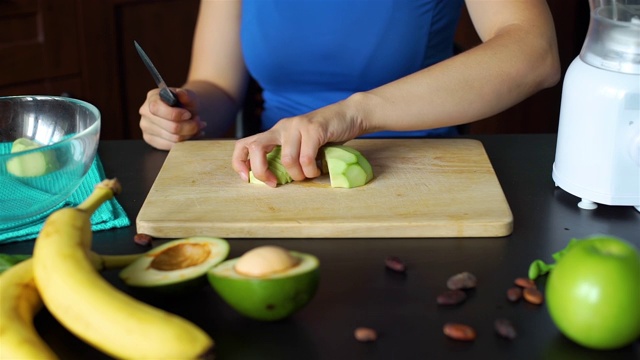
(463, 280)
(514, 294)
(451, 297)
(460, 332)
(143, 239)
(524, 282)
(394, 263)
(533, 296)
(505, 329)
(365, 334)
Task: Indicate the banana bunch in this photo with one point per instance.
(66, 276)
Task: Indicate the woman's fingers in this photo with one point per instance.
(290, 155)
(163, 125)
(250, 154)
(300, 140)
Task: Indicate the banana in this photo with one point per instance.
(94, 310)
(19, 303)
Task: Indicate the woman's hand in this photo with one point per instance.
(300, 138)
(163, 126)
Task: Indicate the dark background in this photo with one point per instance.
(84, 49)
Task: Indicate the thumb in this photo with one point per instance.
(187, 98)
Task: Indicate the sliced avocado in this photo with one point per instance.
(347, 167)
(261, 286)
(176, 265)
(276, 167)
(30, 164)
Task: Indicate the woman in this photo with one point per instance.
(333, 70)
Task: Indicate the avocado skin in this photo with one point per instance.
(178, 288)
(267, 299)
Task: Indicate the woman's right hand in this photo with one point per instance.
(162, 125)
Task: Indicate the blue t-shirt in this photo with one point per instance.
(306, 54)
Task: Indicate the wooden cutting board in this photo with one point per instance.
(421, 188)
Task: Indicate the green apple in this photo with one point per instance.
(593, 293)
(347, 167)
(176, 265)
(30, 164)
(267, 283)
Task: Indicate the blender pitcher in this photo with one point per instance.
(598, 146)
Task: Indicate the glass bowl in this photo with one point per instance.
(56, 139)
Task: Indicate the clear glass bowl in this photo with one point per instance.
(38, 179)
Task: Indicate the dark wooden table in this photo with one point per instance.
(357, 290)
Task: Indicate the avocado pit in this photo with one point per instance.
(265, 260)
(181, 256)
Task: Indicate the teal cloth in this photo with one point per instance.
(109, 215)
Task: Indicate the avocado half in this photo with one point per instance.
(271, 296)
(176, 265)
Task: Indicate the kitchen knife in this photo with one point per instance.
(167, 96)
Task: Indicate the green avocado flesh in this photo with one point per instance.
(271, 297)
(276, 167)
(347, 167)
(30, 164)
(176, 264)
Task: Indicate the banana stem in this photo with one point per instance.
(118, 261)
(107, 262)
(104, 191)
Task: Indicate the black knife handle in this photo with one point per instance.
(169, 97)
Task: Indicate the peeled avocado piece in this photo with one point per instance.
(176, 265)
(276, 167)
(31, 164)
(347, 167)
(267, 283)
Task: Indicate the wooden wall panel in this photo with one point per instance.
(38, 43)
(116, 79)
(165, 32)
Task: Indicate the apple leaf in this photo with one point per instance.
(539, 267)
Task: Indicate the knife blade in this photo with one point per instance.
(166, 95)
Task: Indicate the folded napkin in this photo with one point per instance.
(108, 215)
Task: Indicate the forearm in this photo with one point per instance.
(215, 107)
(478, 83)
(217, 73)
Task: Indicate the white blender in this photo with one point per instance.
(598, 146)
